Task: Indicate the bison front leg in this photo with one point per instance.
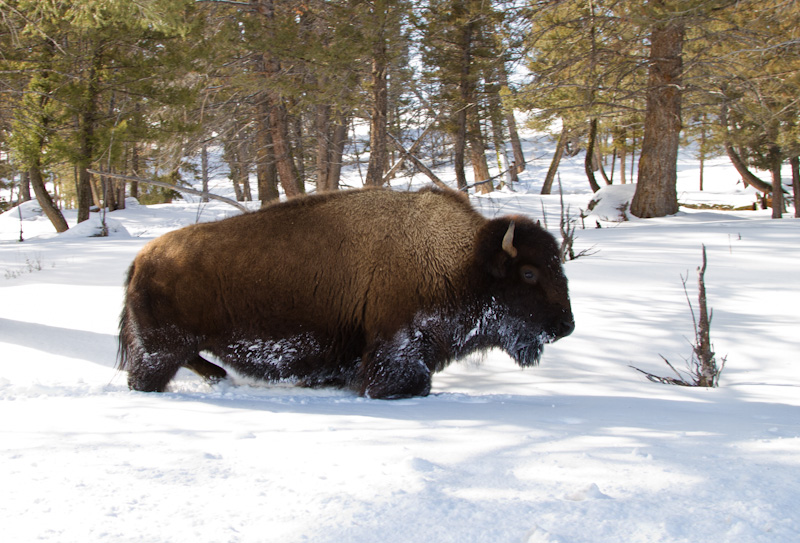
(395, 369)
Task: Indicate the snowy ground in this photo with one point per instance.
(580, 450)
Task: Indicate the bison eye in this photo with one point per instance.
(529, 274)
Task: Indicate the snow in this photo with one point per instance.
(580, 449)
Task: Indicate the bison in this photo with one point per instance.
(373, 290)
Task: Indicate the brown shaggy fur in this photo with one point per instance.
(369, 289)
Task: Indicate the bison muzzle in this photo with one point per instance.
(374, 290)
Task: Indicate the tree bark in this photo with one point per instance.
(748, 177)
(331, 133)
(24, 186)
(44, 199)
(84, 189)
(460, 147)
(322, 122)
(135, 169)
(265, 162)
(795, 162)
(513, 134)
(379, 92)
(477, 147)
(232, 156)
(620, 141)
(88, 118)
(774, 153)
(465, 92)
(337, 150)
(204, 171)
(588, 163)
(547, 188)
(282, 150)
(656, 192)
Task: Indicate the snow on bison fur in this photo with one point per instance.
(371, 289)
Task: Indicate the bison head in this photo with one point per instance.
(528, 299)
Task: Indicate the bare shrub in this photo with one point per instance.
(702, 368)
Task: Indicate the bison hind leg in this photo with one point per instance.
(209, 371)
(153, 372)
(153, 360)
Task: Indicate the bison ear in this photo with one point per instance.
(498, 265)
(501, 256)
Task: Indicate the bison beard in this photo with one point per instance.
(372, 290)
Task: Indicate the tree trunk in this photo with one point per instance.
(551, 172)
(622, 151)
(460, 147)
(748, 177)
(204, 171)
(337, 150)
(504, 162)
(379, 92)
(84, 193)
(135, 169)
(598, 163)
(44, 199)
(282, 150)
(322, 121)
(702, 167)
(513, 134)
(774, 153)
(24, 186)
(588, 163)
(88, 118)
(232, 156)
(298, 149)
(265, 162)
(480, 168)
(656, 192)
(795, 162)
(703, 144)
(465, 91)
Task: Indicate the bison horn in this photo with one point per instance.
(508, 241)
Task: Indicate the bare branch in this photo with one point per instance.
(234, 203)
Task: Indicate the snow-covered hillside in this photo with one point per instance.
(582, 449)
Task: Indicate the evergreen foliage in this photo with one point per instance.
(140, 87)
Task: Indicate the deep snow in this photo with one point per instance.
(580, 449)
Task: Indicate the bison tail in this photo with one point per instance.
(125, 339)
(126, 333)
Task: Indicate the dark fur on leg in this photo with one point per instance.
(212, 373)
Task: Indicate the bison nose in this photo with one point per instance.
(567, 327)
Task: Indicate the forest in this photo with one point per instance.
(99, 96)
(535, 108)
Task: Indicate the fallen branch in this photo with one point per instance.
(427, 171)
(410, 152)
(178, 188)
(491, 179)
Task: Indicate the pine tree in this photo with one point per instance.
(585, 58)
